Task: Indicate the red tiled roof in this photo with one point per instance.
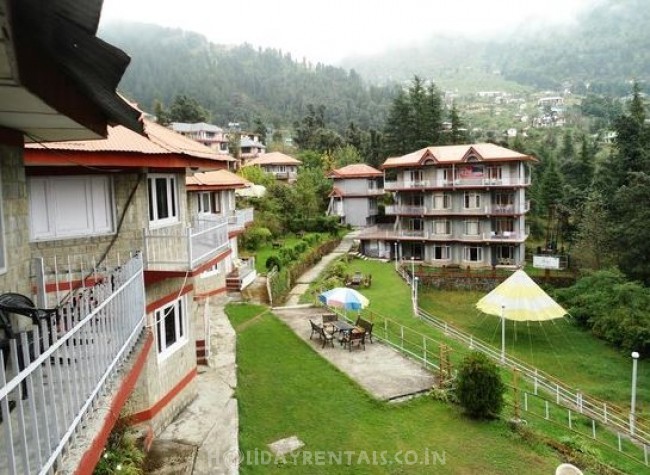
(356, 170)
(218, 179)
(274, 158)
(157, 140)
(456, 154)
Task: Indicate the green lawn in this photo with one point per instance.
(263, 253)
(558, 348)
(286, 389)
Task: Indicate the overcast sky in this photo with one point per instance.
(332, 29)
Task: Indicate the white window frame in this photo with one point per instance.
(444, 223)
(45, 204)
(214, 202)
(445, 198)
(467, 253)
(472, 227)
(172, 199)
(180, 322)
(445, 252)
(472, 200)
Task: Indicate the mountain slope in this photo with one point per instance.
(239, 84)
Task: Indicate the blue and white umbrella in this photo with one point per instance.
(345, 298)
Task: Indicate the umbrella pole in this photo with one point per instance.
(503, 335)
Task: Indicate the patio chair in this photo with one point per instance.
(366, 325)
(353, 336)
(326, 337)
(357, 278)
(328, 319)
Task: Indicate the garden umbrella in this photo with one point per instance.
(519, 298)
(345, 298)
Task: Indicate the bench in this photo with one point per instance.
(352, 336)
(325, 337)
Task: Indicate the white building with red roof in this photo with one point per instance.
(455, 205)
(354, 195)
(281, 166)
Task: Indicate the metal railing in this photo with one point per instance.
(602, 411)
(177, 248)
(239, 218)
(458, 182)
(52, 376)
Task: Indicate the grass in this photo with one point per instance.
(286, 389)
(558, 348)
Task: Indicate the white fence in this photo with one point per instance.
(176, 248)
(601, 411)
(52, 376)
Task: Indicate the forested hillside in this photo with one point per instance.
(240, 83)
(606, 48)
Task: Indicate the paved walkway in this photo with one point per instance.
(302, 284)
(379, 369)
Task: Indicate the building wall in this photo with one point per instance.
(15, 220)
(357, 211)
(166, 386)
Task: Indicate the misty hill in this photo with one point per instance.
(240, 83)
(605, 48)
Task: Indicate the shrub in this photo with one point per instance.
(256, 237)
(273, 261)
(287, 254)
(300, 247)
(480, 388)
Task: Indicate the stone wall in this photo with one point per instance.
(15, 221)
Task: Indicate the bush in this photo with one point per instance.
(256, 237)
(273, 261)
(287, 254)
(300, 247)
(479, 388)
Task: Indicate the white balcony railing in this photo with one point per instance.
(458, 182)
(239, 218)
(176, 248)
(56, 373)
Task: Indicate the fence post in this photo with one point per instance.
(525, 401)
(620, 445)
(471, 342)
(401, 331)
(536, 382)
(570, 422)
(593, 428)
(579, 400)
(605, 412)
(557, 394)
(424, 350)
(547, 411)
(515, 384)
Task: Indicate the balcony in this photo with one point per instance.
(175, 248)
(239, 219)
(285, 175)
(61, 372)
(393, 210)
(457, 183)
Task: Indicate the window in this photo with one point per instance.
(70, 206)
(505, 252)
(473, 253)
(442, 226)
(441, 253)
(471, 227)
(171, 327)
(413, 200)
(442, 201)
(416, 176)
(163, 199)
(472, 200)
(504, 225)
(448, 175)
(415, 224)
(494, 174)
(209, 202)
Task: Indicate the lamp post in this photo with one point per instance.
(635, 358)
(396, 265)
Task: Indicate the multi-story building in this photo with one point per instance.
(207, 134)
(250, 146)
(354, 195)
(281, 166)
(455, 205)
(212, 197)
